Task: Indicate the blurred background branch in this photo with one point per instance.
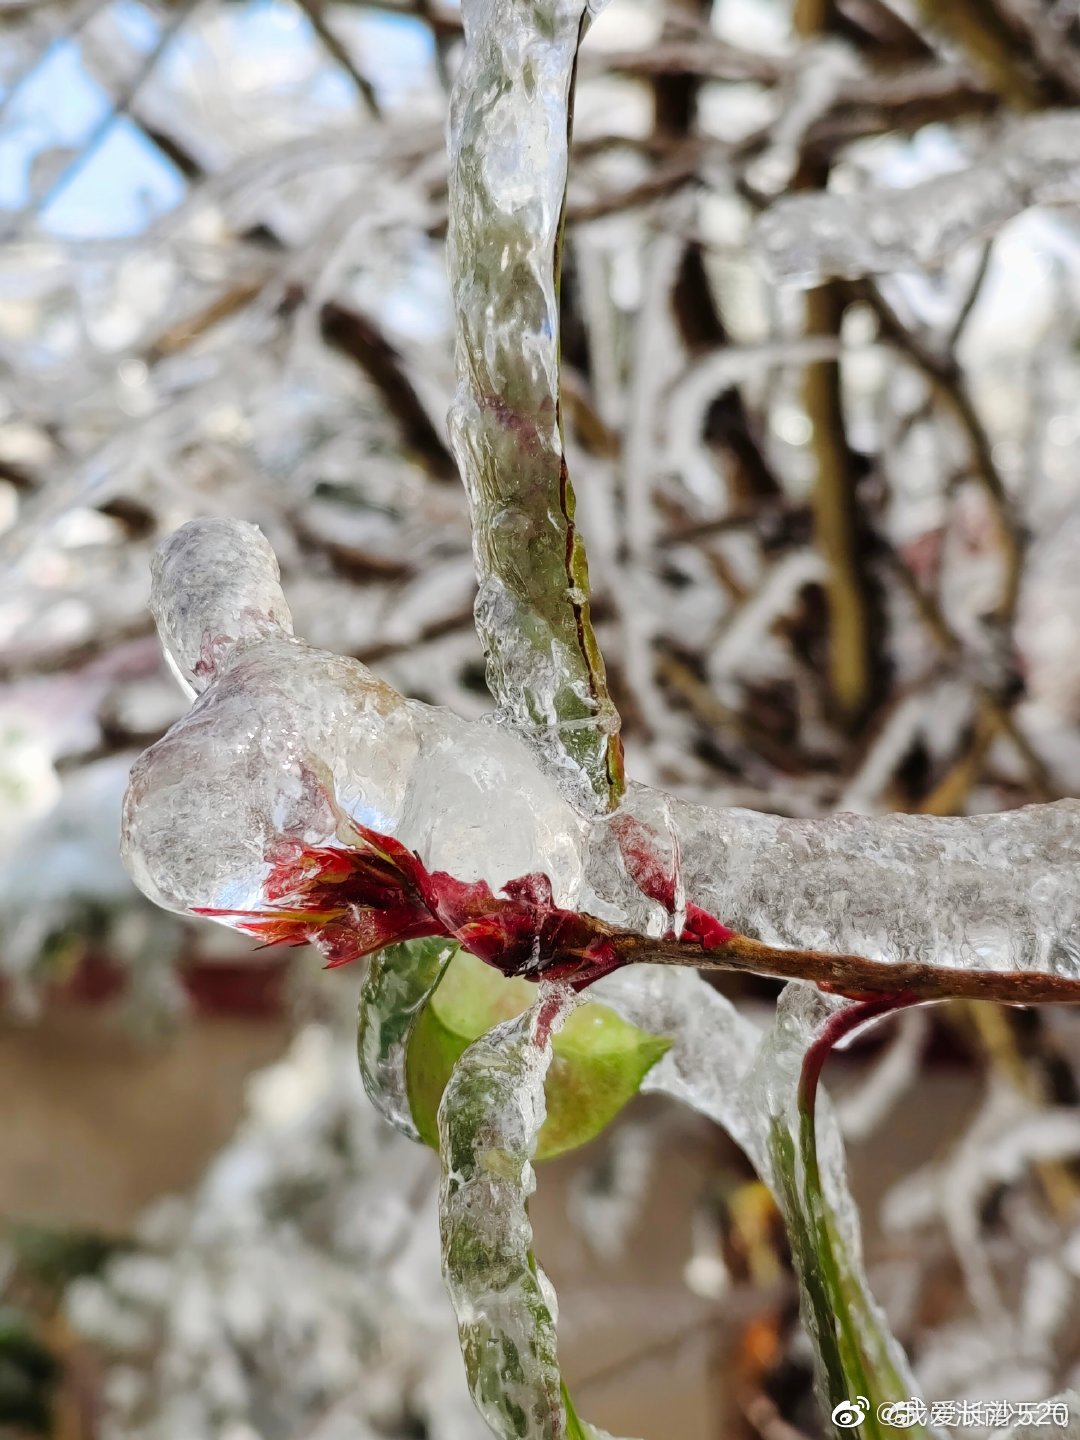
(825, 467)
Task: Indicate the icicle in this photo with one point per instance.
(399, 984)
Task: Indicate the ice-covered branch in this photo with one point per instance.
(806, 239)
(507, 1311)
(509, 128)
(303, 800)
(268, 803)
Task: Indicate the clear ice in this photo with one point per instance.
(490, 1116)
(509, 147)
(284, 740)
(400, 981)
(289, 743)
(747, 1081)
(489, 1120)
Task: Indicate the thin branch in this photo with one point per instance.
(854, 975)
(121, 106)
(971, 298)
(357, 336)
(338, 51)
(994, 47)
(993, 704)
(851, 650)
(947, 379)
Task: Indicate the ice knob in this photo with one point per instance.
(214, 583)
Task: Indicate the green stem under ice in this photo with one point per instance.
(853, 1351)
(509, 148)
(491, 1114)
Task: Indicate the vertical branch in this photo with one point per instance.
(850, 639)
(510, 118)
(836, 527)
(855, 1348)
(994, 47)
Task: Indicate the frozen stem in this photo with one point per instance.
(510, 126)
(853, 1350)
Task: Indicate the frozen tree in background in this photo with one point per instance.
(830, 523)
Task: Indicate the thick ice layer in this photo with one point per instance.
(286, 740)
(713, 1047)
(399, 983)
(214, 585)
(723, 1066)
(993, 892)
(490, 1116)
(507, 1312)
(806, 239)
(509, 141)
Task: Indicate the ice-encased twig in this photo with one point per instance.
(399, 983)
(509, 142)
(489, 1119)
(806, 239)
(982, 893)
(286, 739)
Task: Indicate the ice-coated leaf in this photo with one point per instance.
(806, 239)
(489, 1120)
(599, 1059)
(712, 1046)
(398, 986)
(509, 143)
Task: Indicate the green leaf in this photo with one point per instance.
(599, 1063)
